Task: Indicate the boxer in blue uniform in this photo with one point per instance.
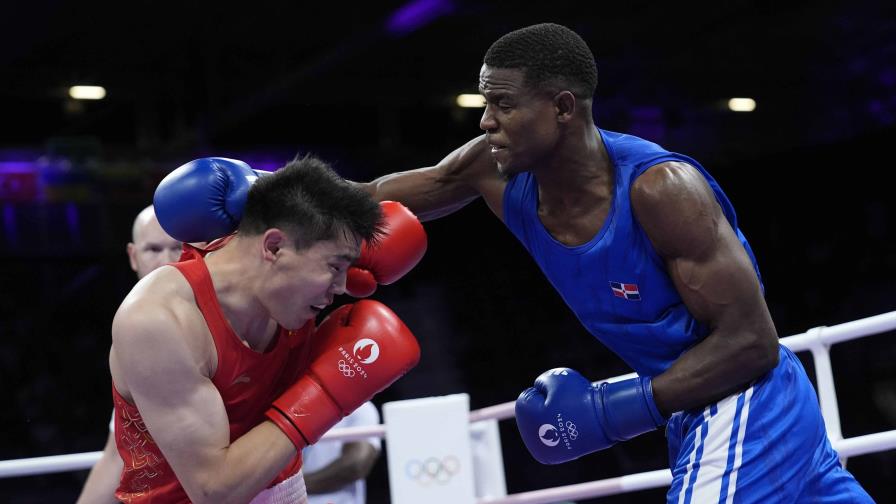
(643, 245)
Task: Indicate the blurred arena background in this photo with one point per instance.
(371, 87)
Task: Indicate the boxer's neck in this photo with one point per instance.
(234, 270)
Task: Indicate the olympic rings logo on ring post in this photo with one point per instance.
(432, 470)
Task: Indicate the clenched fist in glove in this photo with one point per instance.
(396, 253)
(564, 416)
(204, 199)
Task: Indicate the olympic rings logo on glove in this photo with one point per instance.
(345, 369)
(571, 430)
(432, 470)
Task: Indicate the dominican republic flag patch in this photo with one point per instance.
(626, 290)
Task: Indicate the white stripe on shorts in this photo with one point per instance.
(693, 459)
(715, 434)
(739, 448)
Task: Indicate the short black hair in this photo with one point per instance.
(312, 203)
(549, 54)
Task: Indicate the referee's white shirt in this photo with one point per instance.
(321, 454)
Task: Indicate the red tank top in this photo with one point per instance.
(248, 381)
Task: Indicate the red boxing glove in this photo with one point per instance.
(399, 250)
(360, 349)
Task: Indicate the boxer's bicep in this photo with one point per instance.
(707, 263)
(182, 409)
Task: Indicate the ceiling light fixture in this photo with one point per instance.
(742, 104)
(470, 101)
(87, 92)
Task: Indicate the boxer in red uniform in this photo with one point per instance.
(219, 374)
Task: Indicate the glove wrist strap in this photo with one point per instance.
(308, 409)
(628, 408)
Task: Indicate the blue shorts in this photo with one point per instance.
(766, 444)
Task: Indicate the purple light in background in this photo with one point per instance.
(74, 223)
(9, 225)
(19, 181)
(647, 122)
(416, 14)
(881, 112)
(18, 167)
(18, 154)
(264, 164)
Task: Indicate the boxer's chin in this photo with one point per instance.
(300, 319)
(507, 170)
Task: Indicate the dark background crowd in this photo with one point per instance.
(370, 87)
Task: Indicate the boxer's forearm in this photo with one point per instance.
(241, 470)
(422, 191)
(715, 368)
(439, 190)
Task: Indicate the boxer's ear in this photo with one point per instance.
(272, 241)
(132, 255)
(565, 106)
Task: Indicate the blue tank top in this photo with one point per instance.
(616, 283)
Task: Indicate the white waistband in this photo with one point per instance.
(289, 491)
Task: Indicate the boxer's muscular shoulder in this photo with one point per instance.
(160, 315)
(677, 208)
(162, 293)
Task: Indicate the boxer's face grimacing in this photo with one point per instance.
(304, 282)
(519, 122)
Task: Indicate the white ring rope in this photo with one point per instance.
(817, 340)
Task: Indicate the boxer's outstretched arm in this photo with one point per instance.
(715, 277)
(439, 190)
(166, 374)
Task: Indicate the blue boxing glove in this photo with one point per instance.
(203, 199)
(564, 416)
